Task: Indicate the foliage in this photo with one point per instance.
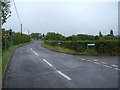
(17, 38)
(80, 37)
(5, 12)
(54, 36)
(100, 34)
(101, 47)
(36, 35)
(59, 49)
(111, 32)
(108, 37)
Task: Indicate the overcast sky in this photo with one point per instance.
(65, 16)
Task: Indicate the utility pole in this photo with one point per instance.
(28, 32)
(21, 29)
(10, 34)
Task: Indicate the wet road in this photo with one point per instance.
(33, 66)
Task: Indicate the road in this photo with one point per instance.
(33, 66)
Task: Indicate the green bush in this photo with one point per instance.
(17, 38)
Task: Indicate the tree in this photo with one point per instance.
(100, 34)
(54, 36)
(111, 32)
(36, 35)
(5, 12)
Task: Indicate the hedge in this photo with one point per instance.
(101, 47)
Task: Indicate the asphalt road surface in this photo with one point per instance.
(33, 66)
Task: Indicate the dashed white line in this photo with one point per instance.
(95, 60)
(97, 63)
(114, 65)
(31, 49)
(82, 59)
(89, 60)
(107, 66)
(35, 53)
(116, 68)
(55, 68)
(104, 63)
(65, 76)
(48, 63)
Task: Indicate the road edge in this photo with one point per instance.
(8, 61)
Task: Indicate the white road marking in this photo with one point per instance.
(114, 65)
(31, 49)
(67, 77)
(48, 63)
(107, 66)
(35, 53)
(82, 58)
(116, 68)
(97, 63)
(55, 68)
(95, 60)
(89, 60)
(104, 63)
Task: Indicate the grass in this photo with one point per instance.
(68, 51)
(59, 49)
(0, 66)
(90, 52)
(6, 56)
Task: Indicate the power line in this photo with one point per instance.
(17, 11)
(21, 25)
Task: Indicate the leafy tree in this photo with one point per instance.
(100, 34)
(16, 38)
(54, 36)
(111, 32)
(36, 35)
(85, 37)
(43, 35)
(5, 12)
(72, 38)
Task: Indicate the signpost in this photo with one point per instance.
(90, 45)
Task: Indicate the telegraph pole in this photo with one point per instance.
(28, 32)
(21, 29)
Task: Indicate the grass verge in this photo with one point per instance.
(6, 55)
(68, 51)
(59, 49)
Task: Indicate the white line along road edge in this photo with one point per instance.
(64, 75)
